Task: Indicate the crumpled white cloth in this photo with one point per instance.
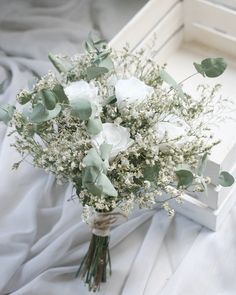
(42, 238)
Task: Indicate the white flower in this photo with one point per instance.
(118, 136)
(171, 130)
(131, 91)
(81, 90)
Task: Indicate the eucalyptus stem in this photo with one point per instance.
(184, 80)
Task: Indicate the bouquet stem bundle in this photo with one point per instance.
(96, 263)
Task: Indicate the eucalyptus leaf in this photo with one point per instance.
(94, 189)
(184, 175)
(6, 113)
(107, 187)
(105, 150)
(94, 126)
(89, 46)
(170, 80)
(93, 159)
(49, 99)
(151, 173)
(226, 179)
(25, 98)
(60, 63)
(199, 68)
(89, 175)
(60, 94)
(211, 67)
(94, 72)
(82, 109)
(107, 63)
(40, 114)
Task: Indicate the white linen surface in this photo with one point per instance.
(42, 238)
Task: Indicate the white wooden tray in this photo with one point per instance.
(188, 31)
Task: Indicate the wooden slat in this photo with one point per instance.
(144, 21)
(164, 31)
(212, 15)
(215, 39)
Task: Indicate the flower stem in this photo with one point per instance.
(93, 268)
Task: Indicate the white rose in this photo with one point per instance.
(131, 91)
(171, 130)
(118, 136)
(81, 90)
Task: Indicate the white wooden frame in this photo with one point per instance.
(201, 25)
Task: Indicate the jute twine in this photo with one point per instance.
(101, 223)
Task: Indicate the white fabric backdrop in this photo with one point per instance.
(42, 238)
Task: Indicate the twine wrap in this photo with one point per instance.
(101, 222)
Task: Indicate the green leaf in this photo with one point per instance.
(199, 69)
(94, 72)
(81, 109)
(202, 165)
(170, 80)
(151, 173)
(184, 175)
(107, 187)
(40, 114)
(89, 46)
(94, 126)
(60, 63)
(49, 99)
(211, 67)
(60, 94)
(107, 63)
(93, 159)
(24, 99)
(89, 175)
(226, 179)
(105, 150)
(6, 113)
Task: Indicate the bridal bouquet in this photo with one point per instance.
(123, 131)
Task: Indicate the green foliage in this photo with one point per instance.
(40, 113)
(60, 94)
(94, 72)
(6, 113)
(105, 150)
(25, 98)
(101, 60)
(60, 63)
(94, 126)
(93, 159)
(184, 175)
(226, 179)
(49, 99)
(81, 109)
(170, 80)
(211, 67)
(151, 173)
(94, 177)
